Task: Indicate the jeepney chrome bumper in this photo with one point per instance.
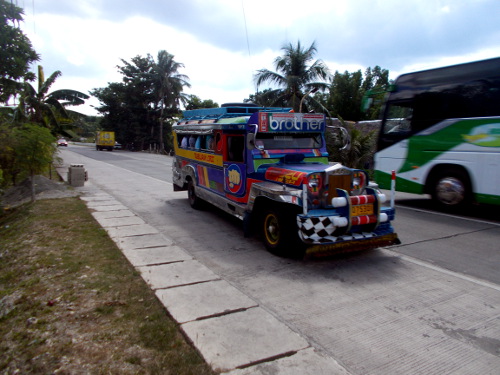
(351, 246)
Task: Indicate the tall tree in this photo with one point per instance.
(347, 91)
(266, 98)
(16, 51)
(150, 93)
(296, 76)
(168, 85)
(194, 102)
(49, 108)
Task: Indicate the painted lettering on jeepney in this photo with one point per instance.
(204, 157)
(263, 122)
(291, 122)
(285, 176)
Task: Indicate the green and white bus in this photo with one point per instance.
(440, 132)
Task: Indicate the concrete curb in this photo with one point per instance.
(231, 331)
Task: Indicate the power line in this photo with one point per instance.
(246, 30)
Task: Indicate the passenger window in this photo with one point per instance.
(235, 148)
(218, 143)
(184, 141)
(210, 142)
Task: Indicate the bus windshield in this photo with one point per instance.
(272, 141)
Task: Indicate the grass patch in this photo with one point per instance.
(71, 303)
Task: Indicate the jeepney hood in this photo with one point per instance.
(296, 174)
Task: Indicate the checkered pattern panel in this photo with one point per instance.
(319, 229)
(315, 228)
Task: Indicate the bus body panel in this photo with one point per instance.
(443, 121)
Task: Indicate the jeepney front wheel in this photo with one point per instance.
(194, 201)
(279, 233)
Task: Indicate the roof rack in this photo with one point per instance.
(229, 110)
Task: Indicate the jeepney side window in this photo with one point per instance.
(218, 142)
(184, 141)
(209, 142)
(235, 148)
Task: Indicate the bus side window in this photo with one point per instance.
(235, 148)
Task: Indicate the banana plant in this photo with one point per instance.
(49, 108)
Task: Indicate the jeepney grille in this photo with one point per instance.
(338, 182)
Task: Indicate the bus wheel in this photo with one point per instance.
(194, 200)
(452, 189)
(280, 235)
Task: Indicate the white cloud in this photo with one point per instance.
(222, 43)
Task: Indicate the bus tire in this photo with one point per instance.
(451, 189)
(194, 201)
(279, 233)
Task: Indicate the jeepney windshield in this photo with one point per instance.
(273, 141)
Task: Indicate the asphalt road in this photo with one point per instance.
(428, 306)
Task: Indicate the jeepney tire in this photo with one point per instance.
(451, 189)
(194, 201)
(279, 233)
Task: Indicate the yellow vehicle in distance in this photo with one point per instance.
(105, 141)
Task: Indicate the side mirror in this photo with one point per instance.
(250, 141)
(347, 139)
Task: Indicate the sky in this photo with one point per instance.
(222, 43)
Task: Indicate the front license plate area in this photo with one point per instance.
(362, 209)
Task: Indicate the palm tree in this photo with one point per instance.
(296, 76)
(49, 109)
(168, 85)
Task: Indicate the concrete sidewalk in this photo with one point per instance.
(232, 332)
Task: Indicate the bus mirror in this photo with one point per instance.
(392, 88)
(366, 104)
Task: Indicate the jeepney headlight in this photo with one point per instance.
(314, 183)
(359, 180)
(356, 181)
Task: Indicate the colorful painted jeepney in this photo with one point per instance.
(269, 167)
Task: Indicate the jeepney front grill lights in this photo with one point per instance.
(314, 182)
(356, 181)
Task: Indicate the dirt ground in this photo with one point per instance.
(44, 189)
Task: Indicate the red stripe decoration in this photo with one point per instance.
(362, 199)
(362, 220)
(201, 175)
